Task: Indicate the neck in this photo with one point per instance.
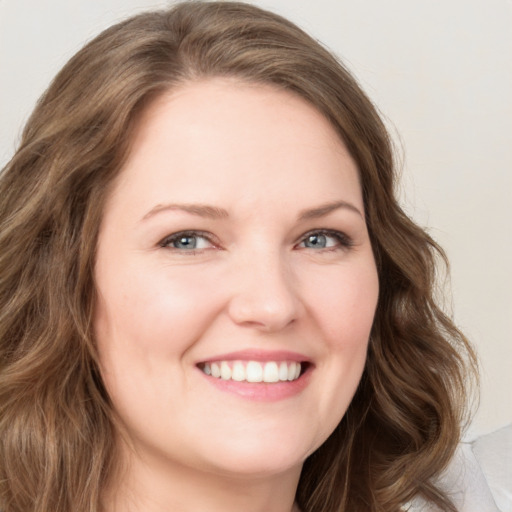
(157, 487)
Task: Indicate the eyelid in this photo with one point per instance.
(167, 240)
(342, 238)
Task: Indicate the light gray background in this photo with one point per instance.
(441, 73)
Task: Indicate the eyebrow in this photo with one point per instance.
(214, 212)
(201, 210)
(323, 210)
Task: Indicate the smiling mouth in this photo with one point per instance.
(254, 371)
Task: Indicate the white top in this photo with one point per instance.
(479, 478)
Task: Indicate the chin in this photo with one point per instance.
(255, 458)
(258, 467)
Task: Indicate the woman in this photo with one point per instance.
(210, 296)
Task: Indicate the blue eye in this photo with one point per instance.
(325, 240)
(187, 241)
(317, 241)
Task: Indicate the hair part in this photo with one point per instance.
(57, 426)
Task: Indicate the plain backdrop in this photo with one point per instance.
(440, 72)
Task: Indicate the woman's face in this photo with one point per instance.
(234, 243)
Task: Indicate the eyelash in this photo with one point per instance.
(168, 240)
(343, 241)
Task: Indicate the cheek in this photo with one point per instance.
(345, 302)
(158, 312)
(145, 322)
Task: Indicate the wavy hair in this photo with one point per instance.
(57, 425)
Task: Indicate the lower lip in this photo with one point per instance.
(261, 391)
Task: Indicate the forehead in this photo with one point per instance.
(227, 137)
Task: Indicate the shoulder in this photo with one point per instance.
(479, 476)
(494, 455)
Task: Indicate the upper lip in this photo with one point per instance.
(259, 355)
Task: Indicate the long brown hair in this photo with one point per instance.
(56, 422)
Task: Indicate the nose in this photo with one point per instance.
(265, 295)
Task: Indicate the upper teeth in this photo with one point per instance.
(253, 371)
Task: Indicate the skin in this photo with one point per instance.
(260, 157)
